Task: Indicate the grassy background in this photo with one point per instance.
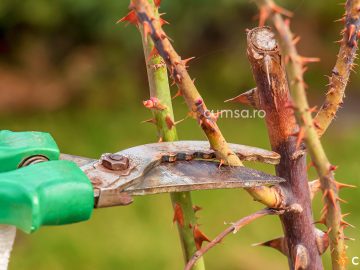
(67, 69)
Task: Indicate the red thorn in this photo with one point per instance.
(153, 52)
(341, 200)
(343, 185)
(346, 224)
(157, 3)
(178, 93)
(300, 137)
(178, 215)
(305, 60)
(342, 19)
(185, 61)
(162, 21)
(147, 30)
(130, 18)
(333, 168)
(151, 120)
(313, 109)
(169, 122)
(351, 31)
(199, 237)
(221, 163)
(332, 198)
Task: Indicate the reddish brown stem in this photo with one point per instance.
(274, 98)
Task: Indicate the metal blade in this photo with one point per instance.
(199, 175)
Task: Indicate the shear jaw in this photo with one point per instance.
(170, 167)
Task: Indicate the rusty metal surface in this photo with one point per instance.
(199, 175)
(158, 159)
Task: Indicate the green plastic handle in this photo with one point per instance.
(47, 193)
(15, 147)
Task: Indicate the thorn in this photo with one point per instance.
(312, 109)
(348, 238)
(301, 258)
(305, 60)
(178, 78)
(296, 40)
(185, 61)
(153, 52)
(351, 31)
(330, 194)
(304, 69)
(322, 241)
(300, 137)
(342, 19)
(341, 200)
(178, 94)
(346, 224)
(178, 215)
(163, 22)
(332, 168)
(151, 120)
(147, 30)
(157, 3)
(343, 185)
(250, 98)
(279, 244)
(169, 122)
(130, 18)
(196, 208)
(160, 139)
(199, 237)
(221, 163)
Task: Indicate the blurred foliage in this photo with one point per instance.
(67, 68)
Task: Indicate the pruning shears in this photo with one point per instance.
(39, 186)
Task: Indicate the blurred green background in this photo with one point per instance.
(67, 68)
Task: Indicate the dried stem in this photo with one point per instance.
(235, 227)
(164, 120)
(344, 64)
(207, 120)
(332, 211)
(274, 99)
